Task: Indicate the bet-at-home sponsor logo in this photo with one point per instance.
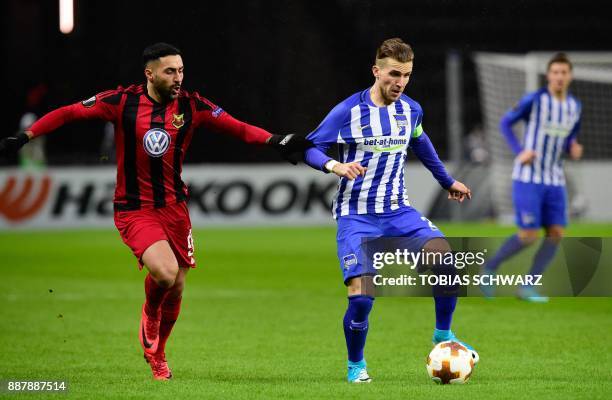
(556, 129)
(385, 144)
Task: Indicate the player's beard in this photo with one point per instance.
(166, 91)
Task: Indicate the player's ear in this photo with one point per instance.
(148, 73)
(375, 71)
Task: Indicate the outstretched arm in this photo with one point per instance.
(227, 124)
(97, 107)
(290, 147)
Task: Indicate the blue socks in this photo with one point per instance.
(356, 322)
(510, 247)
(544, 256)
(513, 245)
(356, 325)
(445, 306)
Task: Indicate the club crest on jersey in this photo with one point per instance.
(178, 120)
(401, 120)
(156, 142)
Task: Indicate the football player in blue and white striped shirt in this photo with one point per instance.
(552, 122)
(373, 129)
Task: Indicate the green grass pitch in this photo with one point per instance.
(262, 319)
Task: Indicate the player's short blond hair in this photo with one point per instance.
(395, 48)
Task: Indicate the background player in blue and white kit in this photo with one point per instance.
(373, 129)
(552, 122)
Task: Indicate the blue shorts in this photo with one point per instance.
(537, 205)
(405, 222)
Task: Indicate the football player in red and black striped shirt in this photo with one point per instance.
(154, 123)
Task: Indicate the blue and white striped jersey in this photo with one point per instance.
(378, 138)
(551, 125)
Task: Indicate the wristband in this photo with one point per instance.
(330, 165)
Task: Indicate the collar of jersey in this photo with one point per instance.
(151, 99)
(365, 97)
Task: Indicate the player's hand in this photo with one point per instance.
(526, 156)
(459, 192)
(12, 144)
(349, 170)
(291, 147)
(576, 150)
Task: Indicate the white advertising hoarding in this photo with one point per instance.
(276, 194)
(238, 195)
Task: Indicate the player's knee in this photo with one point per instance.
(528, 236)
(437, 245)
(166, 281)
(554, 233)
(360, 286)
(435, 251)
(166, 277)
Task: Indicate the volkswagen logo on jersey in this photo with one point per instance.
(156, 142)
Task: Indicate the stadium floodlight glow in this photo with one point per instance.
(66, 15)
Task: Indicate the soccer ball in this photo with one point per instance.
(450, 362)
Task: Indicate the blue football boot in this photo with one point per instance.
(357, 372)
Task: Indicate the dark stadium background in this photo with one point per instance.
(280, 65)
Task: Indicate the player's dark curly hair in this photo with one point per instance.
(395, 48)
(560, 58)
(158, 50)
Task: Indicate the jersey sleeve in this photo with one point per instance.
(418, 124)
(519, 112)
(208, 114)
(423, 148)
(103, 106)
(328, 130)
(205, 111)
(324, 136)
(316, 158)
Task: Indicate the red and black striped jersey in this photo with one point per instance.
(151, 139)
